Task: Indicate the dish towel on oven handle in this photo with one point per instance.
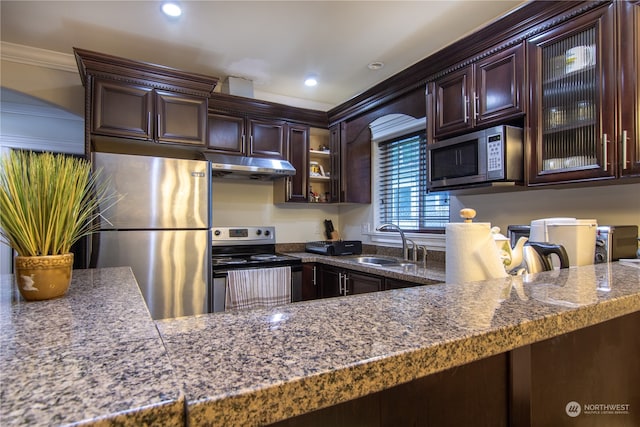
(258, 287)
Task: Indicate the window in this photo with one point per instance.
(402, 186)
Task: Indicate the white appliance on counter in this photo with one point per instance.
(160, 228)
(578, 236)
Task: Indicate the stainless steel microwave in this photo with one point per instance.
(485, 156)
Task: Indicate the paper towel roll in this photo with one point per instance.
(471, 253)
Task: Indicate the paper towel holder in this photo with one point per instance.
(468, 214)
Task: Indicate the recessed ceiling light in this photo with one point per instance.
(375, 65)
(311, 81)
(171, 9)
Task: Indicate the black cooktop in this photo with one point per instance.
(252, 256)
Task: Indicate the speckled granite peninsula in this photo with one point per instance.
(92, 357)
(263, 366)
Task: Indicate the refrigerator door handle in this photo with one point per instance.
(94, 249)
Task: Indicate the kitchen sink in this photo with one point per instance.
(381, 261)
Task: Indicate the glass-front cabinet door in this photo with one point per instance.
(629, 87)
(572, 114)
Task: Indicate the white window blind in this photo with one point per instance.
(403, 198)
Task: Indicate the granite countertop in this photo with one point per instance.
(92, 356)
(261, 366)
(108, 362)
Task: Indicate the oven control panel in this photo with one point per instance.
(243, 235)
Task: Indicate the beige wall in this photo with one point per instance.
(608, 204)
(243, 202)
(59, 87)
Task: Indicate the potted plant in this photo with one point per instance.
(47, 203)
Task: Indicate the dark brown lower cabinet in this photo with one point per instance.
(335, 281)
(359, 283)
(590, 377)
(310, 288)
(592, 373)
(325, 281)
(330, 281)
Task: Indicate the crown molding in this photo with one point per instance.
(34, 143)
(28, 55)
(40, 111)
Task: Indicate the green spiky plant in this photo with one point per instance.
(48, 201)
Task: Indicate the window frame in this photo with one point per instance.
(376, 202)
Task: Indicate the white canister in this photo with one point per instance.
(578, 236)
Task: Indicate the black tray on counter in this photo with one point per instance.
(335, 247)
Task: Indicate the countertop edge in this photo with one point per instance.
(168, 413)
(417, 363)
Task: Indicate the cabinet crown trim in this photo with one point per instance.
(157, 76)
(520, 38)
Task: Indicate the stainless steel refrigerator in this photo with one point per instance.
(160, 228)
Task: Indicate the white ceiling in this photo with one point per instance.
(273, 43)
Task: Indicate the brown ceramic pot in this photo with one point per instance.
(43, 277)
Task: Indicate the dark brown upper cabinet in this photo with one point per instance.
(573, 135)
(267, 138)
(133, 100)
(141, 112)
(122, 110)
(336, 136)
(355, 178)
(180, 118)
(245, 136)
(308, 150)
(500, 80)
(226, 134)
(295, 188)
(487, 91)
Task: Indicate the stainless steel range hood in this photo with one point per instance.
(248, 167)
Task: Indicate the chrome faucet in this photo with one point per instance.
(405, 248)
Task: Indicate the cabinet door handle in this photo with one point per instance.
(149, 124)
(314, 276)
(243, 147)
(605, 145)
(476, 104)
(624, 149)
(465, 107)
(340, 284)
(157, 126)
(346, 289)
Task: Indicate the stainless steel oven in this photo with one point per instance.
(235, 248)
